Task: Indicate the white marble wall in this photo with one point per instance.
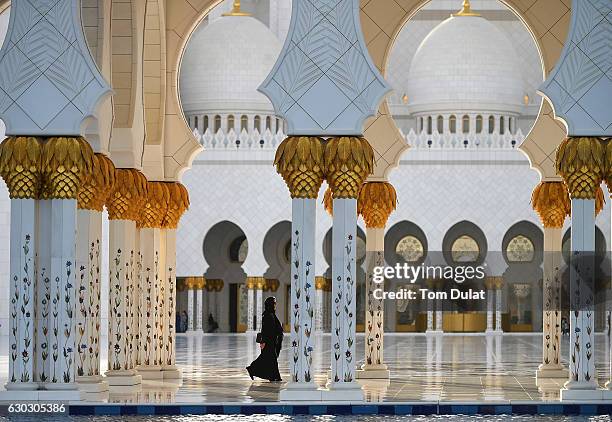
(436, 189)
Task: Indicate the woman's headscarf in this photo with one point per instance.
(269, 304)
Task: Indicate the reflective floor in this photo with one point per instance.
(455, 368)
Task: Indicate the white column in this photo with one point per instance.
(582, 383)
(169, 332)
(148, 303)
(250, 307)
(374, 366)
(259, 311)
(303, 224)
(122, 259)
(205, 308)
(490, 303)
(319, 304)
(342, 385)
(22, 295)
(551, 366)
(89, 264)
(199, 316)
(430, 317)
(62, 322)
(498, 309)
(190, 308)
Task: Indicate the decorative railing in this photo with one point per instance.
(251, 140)
(461, 141)
(254, 140)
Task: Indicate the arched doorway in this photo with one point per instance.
(522, 250)
(225, 249)
(277, 252)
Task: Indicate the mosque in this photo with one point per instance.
(463, 129)
(167, 165)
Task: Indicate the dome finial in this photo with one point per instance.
(236, 10)
(466, 10)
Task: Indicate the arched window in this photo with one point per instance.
(511, 124)
(230, 122)
(440, 124)
(258, 123)
(491, 124)
(268, 122)
(278, 125)
(466, 124)
(239, 249)
(205, 128)
(452, 124)
(465, 249)
(244, 123)
(429, 126)
(410, 249)
(217, 123)
(195, 123)
(502, 126)
(479, 124)
(420, 125)
(520, 249)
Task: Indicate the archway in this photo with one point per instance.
(277, 252)
(523, 249)
(225, 249)
(405, 242)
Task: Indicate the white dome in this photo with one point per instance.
(465, 64)
(224, 64)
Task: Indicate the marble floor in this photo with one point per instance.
(449, 368)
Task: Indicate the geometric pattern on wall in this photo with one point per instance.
(580, 86)
(48, 81)
(324, 82)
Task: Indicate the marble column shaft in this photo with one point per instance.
(551, 327)
(374, 318)
(344, 236)
(89, 263)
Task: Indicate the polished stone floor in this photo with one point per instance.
(449, 368)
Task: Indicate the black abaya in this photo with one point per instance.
(266, 365)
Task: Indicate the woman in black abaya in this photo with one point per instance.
(266, 365)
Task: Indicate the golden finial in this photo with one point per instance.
(236, 10)
(467, 10)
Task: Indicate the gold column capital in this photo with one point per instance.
(494, 282)
(155, 206)
(178, 203)
(128, 195)
(20, 166)
(272, 284)
(299, 160)
(95, 191)
(320, 283)
(377, 200)
(213, 285)
(200, 283)
(253, 283)
(552, 203)
(581, 163)
(66, 163)
(348, 162)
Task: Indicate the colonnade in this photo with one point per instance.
(58, 190)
